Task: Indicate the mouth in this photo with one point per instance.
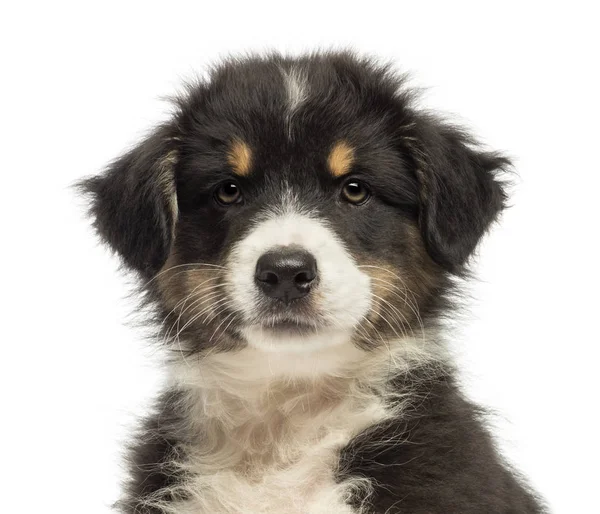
(285, 326)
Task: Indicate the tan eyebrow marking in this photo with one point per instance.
(340, 159)
(240, 157)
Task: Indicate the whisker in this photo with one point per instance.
(220, 324)
(185, 299)
(406, 291)
(199, 265)
(386, 343)
(413, 305)
(203, 298)
(198, 315)
(229, 324)
(396, 316)
(177, 335)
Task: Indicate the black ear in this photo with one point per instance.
(134, 204)
(460, 193)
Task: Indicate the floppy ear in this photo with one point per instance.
(134, 203)
(459, 190)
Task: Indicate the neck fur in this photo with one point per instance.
(265, 405)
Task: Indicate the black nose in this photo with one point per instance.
(286, 273)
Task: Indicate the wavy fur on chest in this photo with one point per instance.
(244, 437)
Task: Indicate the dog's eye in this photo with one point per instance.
(355, 192)
(228, 193)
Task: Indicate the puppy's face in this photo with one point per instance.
(314, 241)
(297, 204)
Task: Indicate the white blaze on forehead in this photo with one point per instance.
(296, 89)
(342, 296)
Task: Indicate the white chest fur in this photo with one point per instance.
(306, 486)
(272, 447)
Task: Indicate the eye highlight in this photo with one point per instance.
(228, 193)
(355, 192)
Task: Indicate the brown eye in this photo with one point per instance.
(228, 193)
(355, 192)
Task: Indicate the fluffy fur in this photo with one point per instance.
(341, 400)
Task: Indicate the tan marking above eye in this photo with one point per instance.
(240, 157)
(340, 159)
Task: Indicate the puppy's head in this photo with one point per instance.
(294, 204)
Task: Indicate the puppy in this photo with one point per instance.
(296, 227)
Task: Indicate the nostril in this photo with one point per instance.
(268, 277)
(304, 278)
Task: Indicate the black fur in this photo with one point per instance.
(460, 195)
(438, 458)
(129, 205)
(155, 449)
(424, 174)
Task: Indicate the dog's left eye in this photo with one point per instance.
(354, 191)
(228, 193)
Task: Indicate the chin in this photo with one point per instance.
(295, 338)
(299, 231)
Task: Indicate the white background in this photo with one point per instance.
(82, 81)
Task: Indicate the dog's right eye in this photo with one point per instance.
(354, 191)
(228, 193)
